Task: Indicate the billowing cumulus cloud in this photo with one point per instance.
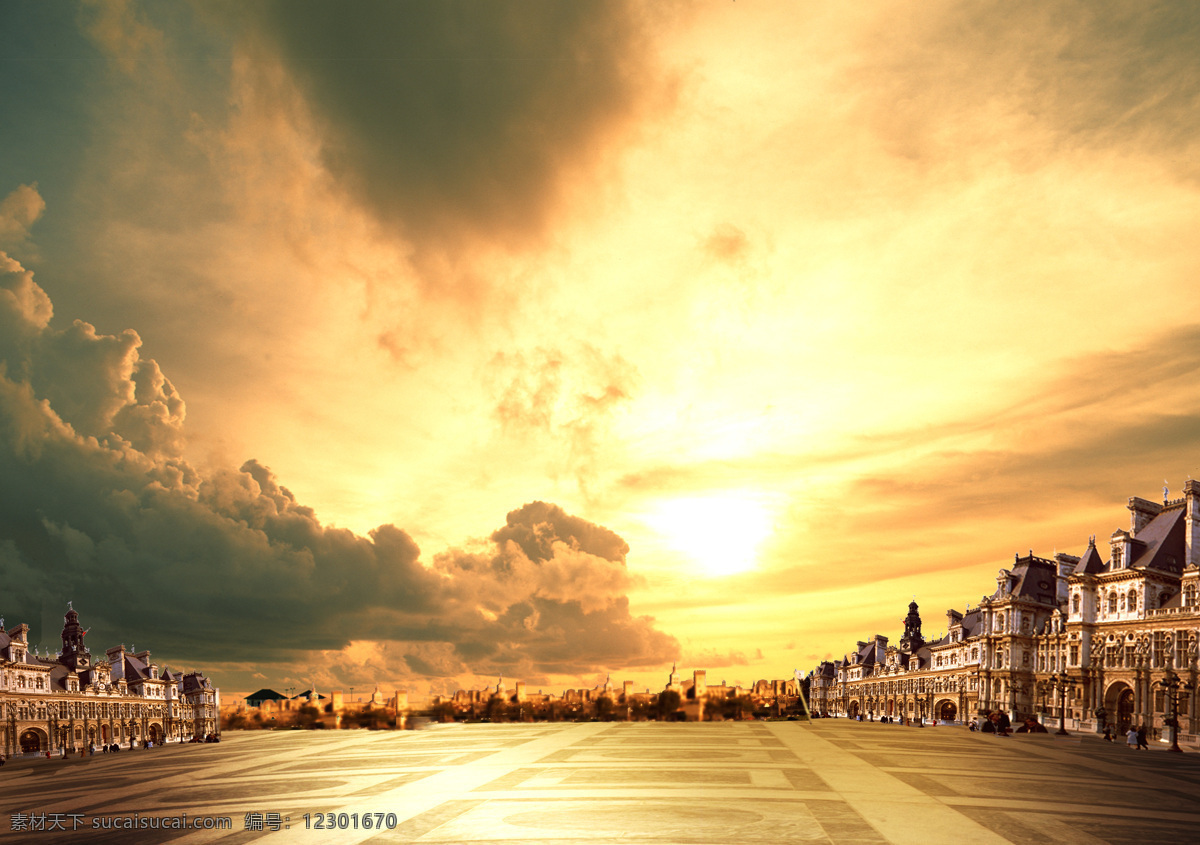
(918, 278)
(98, 507)
(18, 212)
(460, 120)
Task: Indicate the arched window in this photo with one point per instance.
(1133, 600)
(1189, 595)
(1112, 602)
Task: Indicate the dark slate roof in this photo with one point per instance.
(193, 681)
(1036, 580)
(1162, 543)
(867, 653)
(266, 695)
(135, 669)
(970, 623)
(58, 676)
(1090, 563)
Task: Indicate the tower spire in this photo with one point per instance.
(912, 639)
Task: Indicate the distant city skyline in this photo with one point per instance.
(431, 342)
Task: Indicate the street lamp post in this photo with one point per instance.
(1172, 686)
(1062, 682)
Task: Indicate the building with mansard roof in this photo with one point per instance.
(73, 701)
(1106, 638)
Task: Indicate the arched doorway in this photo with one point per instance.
(1119, 702)
(947, 711)
(853, 711)
(155, 734)
(891, 708)
(32, 741)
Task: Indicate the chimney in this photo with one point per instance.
(1141, 512)
(116, 658)
(1066, 565)
(1191, 531)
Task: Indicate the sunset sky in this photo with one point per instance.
(415, 343)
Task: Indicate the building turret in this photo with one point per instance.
(912, 639)
(673, 680)
(74, 654)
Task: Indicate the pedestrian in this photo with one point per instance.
(1004, 726)
(1108, 733)
(1131, 737)
(988, 726)
(1141, 738)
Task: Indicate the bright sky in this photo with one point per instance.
(787, 312)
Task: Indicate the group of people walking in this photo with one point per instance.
(1135, 737)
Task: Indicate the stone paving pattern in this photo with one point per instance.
(829, 781)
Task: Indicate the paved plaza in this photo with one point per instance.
(829, 781)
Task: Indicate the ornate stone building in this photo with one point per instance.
(74, 701)
(1107, 641)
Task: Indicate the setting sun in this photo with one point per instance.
(720, 533)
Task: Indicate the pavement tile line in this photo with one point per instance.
(413, 799)
(100, 800)
(901, 814)
(830, 782)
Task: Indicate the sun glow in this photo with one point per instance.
(720, 533)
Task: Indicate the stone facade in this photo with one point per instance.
(1110, 642)
(73, 702)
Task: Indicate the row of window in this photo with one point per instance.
(1123, 602)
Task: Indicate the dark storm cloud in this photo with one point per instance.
(98, 507)
(461, 119)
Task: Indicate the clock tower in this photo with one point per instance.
(912, 639)
(74, 654)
